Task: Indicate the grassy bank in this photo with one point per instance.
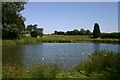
(56, 39)
(100, 65)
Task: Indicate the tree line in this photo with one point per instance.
(111, 35)
(95, 34)
(74, 32)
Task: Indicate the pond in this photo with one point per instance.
(64, 54)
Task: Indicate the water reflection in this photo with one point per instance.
(32, 54)
(96, 47)
(13, 56)
(65, 54)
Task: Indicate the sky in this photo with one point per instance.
(66, 16)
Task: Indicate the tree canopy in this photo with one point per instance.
(34, 30)
(12, 20)
(74, 32)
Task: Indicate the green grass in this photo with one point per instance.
(36, 71)
(100, 65)
(56, 39)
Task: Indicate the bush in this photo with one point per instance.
(40, 34)
(34, 34)
(110, 35)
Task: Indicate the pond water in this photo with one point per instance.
(64, 54)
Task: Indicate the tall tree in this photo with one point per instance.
(12, 20)
(31, 28)
(40, 31)
(96, 31)
(55, 32)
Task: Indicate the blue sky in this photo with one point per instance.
(64, 16)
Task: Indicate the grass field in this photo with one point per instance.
(100, 65)
(57, 39)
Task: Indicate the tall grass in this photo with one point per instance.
(7, 43)
(35, 71)
(104, 63)
(58, 39)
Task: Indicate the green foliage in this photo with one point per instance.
(34, 34)
(59, 32)
(12, 20)
(82, 32)
(74, 32)
(96, 31)
(110, 35)
(10, 31)
(58, 39)
(105, 63)
(11, 43)
(35, 71)
(40, 34)
(71, 74)
(88, 32)
(34, 31)
(40, 31)
(31, 28)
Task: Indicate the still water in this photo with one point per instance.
(64, 54)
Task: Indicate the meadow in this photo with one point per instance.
(57, 39)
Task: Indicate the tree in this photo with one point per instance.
(31, 28)
(34, 34)
(12, 20)
(9, 31)
(34, 31)
(35, 27)
(96, 31)
(82, 31)
(40, 31)
(88, 32)
(73, 32)
(55, 32)
(76, 32)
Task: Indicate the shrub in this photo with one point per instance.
(110, 35)
(34, 34)
(41, 34)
